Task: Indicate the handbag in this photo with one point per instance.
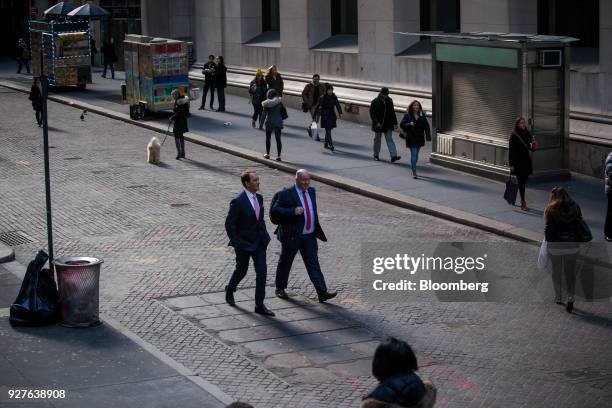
(543, 255)
(283, 111)
(511, 190)
(584, 232)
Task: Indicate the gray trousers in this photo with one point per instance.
(390, 143)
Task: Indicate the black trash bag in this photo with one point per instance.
(37, 303)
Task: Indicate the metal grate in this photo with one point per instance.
(15, 238)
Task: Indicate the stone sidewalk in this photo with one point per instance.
(160, 232)
(95, 367)
(442, 192)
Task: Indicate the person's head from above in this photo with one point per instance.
(415, 107)
(176, 94)
(250, 181)
(259, 73)
(316, 79)
(272, 70)
(220, 59)
(393, 357)
(272, 94)
(239, 404)
(384, 91)
(520, 123)
(559, 202)
(302, 179)
(211, 58)
(329, 89)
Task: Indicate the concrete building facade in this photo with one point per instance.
(354, 41)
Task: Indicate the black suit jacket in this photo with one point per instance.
(245, 232)
(290, 227)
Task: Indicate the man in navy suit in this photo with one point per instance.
(246, 229)
(295, 212)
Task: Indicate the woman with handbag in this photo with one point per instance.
(564, 231)
(274, 113)
(519, 156)
(416, 130)
(257, 90)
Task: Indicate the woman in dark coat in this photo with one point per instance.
(394, 366)
(416, 130)
(562, 217)
(608, 189)
(274, 80)
(258, 89)
(274, 121)
(221, 82)
(327, 104)
(36, 98)
(519, 156)
(181, 112)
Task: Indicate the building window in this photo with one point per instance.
(270, 15)
(440, 15)
(344, 17)
(579, 19)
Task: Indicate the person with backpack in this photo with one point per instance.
(36, 98)
(384, 122)
(326, 110)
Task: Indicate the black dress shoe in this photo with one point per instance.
(280, 293)
(569, 307)
(395, 158)
(263, 310)
(229, 297)
(325, 296)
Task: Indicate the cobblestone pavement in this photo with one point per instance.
(160, 232)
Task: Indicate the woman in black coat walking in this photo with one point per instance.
(416, 130)
(519, 156)
(327, 104)
(275, 80)
(221, 82)
(257, 90)
(181, 112)
(36, 98)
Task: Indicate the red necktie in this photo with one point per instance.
(307, 210)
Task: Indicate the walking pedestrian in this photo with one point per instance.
(274, 80)
(209, 82)
(273, 107)
(608, 184)
(257, 90)
(562, 216)
(326, 106)
(295, 211)
(519, 156)
(246, 228)
(384, 122)
(311, 94)
(36, 98)
(23, 56)
(109, 57)
(220, 79)
(416, 130)
(181, 112)
(394, 366)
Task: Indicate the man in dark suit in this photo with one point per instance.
(295, 212)
(246, 229)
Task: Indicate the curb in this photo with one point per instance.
(357, 187)
(7, 254)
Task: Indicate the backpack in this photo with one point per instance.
(274, 218)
